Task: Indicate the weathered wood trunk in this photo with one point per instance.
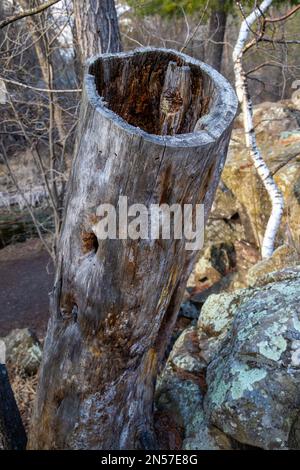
(97, 28)
(115, 302)
(12, 432)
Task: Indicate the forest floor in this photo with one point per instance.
(26, 275)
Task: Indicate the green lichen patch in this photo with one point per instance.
(275, 344)
(244, 379)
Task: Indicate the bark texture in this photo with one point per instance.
(242, 89)
(115, 302)
(216, 32)
(97, 28)
(12, 432)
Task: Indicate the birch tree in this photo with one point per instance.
(250, 137)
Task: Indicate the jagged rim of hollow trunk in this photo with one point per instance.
(222, 108)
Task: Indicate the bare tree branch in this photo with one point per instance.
(30, 12)
(14, 82)
(280, 41)
(284, 17)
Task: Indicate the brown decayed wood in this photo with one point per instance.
(115, 302)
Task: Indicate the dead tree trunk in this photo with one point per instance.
(12, 432)
(115, 302)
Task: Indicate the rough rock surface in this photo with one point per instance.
(23, 351)
(253, 380)
(179, 396)
(278, 134)
(283, 257)
(248, 339)
(245, 366)
(237, 223)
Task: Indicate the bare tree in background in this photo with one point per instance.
(33, 33)
(97, 27)
(40, 111)
(216, 32)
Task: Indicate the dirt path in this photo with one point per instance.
(24, 287)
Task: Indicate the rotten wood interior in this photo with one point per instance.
(115, 301)
(157, 92)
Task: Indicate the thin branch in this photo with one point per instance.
(36, 153)
(284, 17)
(280, 41)
(30, 12)
(133, 40)
(23, 85)
(188, 40)
(260, 66)
(261, 36)
(287, 159)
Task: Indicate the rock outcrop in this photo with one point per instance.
(277, 128)
(241, 209)
(241, 377)
(179, 396)
(23, 351)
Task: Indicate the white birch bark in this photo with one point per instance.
(250, 137)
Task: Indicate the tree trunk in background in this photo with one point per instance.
(12, 432)
(216, 32)
(115, 301)
(97, 27)
(2, 16)
(46, 59)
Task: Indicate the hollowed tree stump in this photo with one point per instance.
(154, 126)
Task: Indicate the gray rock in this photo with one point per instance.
(253, 375)
(23, 351)
(283, 257)
(180, 392)
(189, 310)
(216, 318)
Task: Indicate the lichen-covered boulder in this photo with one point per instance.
(253, 375)
(23, 351)
(215, 322)
(284, 256)
(179, 396)
(221, 254)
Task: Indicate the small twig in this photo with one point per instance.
(36, 153)
(187, 25)
(287, 160)
(133, 40)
